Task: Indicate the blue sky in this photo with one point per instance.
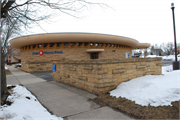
(148, 21)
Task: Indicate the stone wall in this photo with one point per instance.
(102, 75)
(37, 67)
(67, 54)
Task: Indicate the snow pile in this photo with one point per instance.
(24, 108)
(171, 57)
(6, 68)
(152, 56)
(156, 90)
(168, 68)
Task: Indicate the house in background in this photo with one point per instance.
(158, 52)
(178, 49)
(13, 56)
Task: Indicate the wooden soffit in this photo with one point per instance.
(73, 37)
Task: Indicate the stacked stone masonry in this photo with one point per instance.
(28, 59)
(102, 75)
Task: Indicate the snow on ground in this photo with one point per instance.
(151, 56)
(6, 68)
(23, 108)
(170, 57)
(156, 90)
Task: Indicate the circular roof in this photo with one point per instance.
(75, 37)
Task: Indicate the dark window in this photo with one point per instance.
(25, 47)
(34, 45)
(105, 44)
(109, 45)
(91, 44)
(66, 44)
(58, 44)
(51, 44)
(116, 45)
(45, 45)
(119, 45)
(94, 55)
(39, 45)
(101, 44)
(113, 45)
(96, 44)
(113, 50)
(86, 43)
(29, 46)
(73, 44)
(79, 43)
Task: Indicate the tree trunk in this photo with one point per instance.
(4, 91)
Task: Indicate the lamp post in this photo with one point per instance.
(175, 63)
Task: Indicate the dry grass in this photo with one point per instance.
(137, 111)
(8, 72)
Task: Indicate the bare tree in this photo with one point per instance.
(8, 29)
(26, 12)
(32, 11)
(167, 47)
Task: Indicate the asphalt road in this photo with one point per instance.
(44, 75)
(167, 62)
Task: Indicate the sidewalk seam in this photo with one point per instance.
(17, 79)
(80, 112)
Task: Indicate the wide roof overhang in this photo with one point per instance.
(76, 37)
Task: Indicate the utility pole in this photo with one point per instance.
(176, 63)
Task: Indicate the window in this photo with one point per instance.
(66, 44)
(86, 43)
(105, 44)
(91, 44)
(34, 45)
(96, 44)
(73, 44)
(109, 45)
(51, 44)
(59, 44)
(101, 44)
(29, 46)
(116, 45)
(79, 43)
(45, 45)
(113, 45)
(25, 47)
(39, 45)
(94, 55)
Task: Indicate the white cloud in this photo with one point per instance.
(144, 20)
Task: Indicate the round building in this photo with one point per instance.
(45, 48)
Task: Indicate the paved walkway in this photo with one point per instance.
(62, 100)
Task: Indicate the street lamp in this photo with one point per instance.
(175, 63)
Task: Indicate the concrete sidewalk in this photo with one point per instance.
(63, 100)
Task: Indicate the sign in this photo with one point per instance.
(45, 52)
(54, 68)
(127, 55)
(40, 52)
